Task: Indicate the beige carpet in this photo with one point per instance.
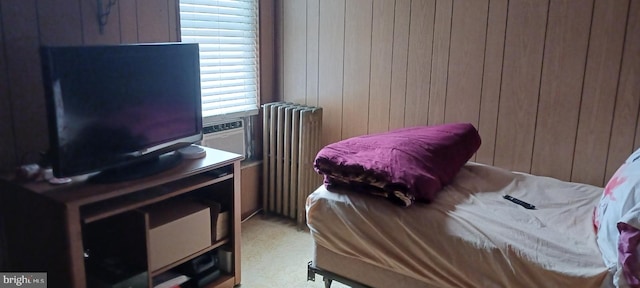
(275, 254)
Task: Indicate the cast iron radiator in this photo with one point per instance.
(291, 140)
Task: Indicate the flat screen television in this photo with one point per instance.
(120, 109)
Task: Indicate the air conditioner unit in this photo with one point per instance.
(227, 136)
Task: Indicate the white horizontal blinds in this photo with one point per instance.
(227, 31)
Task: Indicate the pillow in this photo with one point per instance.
(628, 252)
(617, 221)
(404, 165)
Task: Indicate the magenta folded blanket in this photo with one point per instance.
(403, 165)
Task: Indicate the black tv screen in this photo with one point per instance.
(109, 106)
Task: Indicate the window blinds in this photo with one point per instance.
(227, 31)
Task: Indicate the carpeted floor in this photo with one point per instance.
(275, 254)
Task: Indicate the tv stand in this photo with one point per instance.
(67, 230)
(137, 170)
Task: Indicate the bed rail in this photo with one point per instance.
(329, 277)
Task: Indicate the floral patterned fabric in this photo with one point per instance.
(617, 223)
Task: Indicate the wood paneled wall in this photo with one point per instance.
(27, 24)
(553, 86)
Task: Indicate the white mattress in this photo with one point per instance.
(470, 236)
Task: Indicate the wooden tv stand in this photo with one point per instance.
(58, 229)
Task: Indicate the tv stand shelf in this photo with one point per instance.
(106, 208)
(168, 267)
(53, 228)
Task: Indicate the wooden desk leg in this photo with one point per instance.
(76, 248)
(237, 183)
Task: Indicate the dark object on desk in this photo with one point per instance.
(199, 264)
(203, 279)
(113, 272)
(519, 202)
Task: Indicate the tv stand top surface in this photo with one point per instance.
(81, 191)
(138, 170)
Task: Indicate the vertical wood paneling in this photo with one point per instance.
(59, 22)
(524, 44)
(399, 63)
(331, 62)
(280, 56)
(128, 12)
(7, 152)
(419, 63)
(357, 67)
(536, 78)
(90, 27)
(267, 54)
(153, 19)
(627, 101)
(440, 63)
(517, 116)
(634, 18)
(23, 66)
(31, 23)
(464, 87)
(313, 18)
(174, 20)
(561, 87)
(294, 46)
(491, 79)
(599, 91)
(381, 62)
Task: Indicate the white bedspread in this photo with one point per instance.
(470, 236)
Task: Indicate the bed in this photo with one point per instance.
(467, 234)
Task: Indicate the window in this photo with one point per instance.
(227, 31)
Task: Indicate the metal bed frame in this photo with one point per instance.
(329, 277)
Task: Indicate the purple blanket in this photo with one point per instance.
(404, 165)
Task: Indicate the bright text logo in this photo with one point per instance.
(23, 280)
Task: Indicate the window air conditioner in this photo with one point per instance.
(227, 136)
